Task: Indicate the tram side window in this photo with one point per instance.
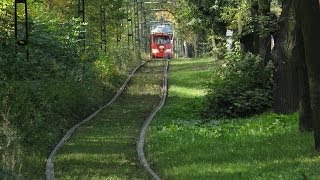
(161, 39)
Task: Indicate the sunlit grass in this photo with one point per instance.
(181, 146)
(186, 91)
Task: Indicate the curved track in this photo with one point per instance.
(140, 145)
(50, 165)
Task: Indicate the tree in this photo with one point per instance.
(256, 34)
(288, 50)
(310, 15)
(265, 23)
(200, 19)
(305, 121)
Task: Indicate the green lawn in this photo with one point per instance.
(105, 148)
(181, 146)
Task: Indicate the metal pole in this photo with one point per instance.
(129, 27)
(118, 34)
(81, 13)
(141, 26)
(137, 24)
(132, 29)
(103, 31)
(81, 10)
(25, 40)
(127, 14)
(78, 8)
(26, 21)
(26, 27)
(15, 21)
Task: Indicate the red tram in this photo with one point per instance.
(161, 42)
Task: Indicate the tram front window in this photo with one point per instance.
(161, 39)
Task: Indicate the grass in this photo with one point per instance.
(181, 146)
(105, 148)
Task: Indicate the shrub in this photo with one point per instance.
(56, 87)
(10, 148)
(240, 87)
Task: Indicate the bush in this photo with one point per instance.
(10, 149)
(240, 87)
(56, 87)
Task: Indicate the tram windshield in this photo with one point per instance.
(161, 39)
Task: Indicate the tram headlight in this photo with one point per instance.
(168, 51)
(155, 51)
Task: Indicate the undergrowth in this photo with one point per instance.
(55, 86)
(181, 145)
(104, 148)
(240, 86)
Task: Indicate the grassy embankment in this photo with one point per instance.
(180, 146)
(105, 147)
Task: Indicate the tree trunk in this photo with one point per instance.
(248, 42)
(286, 91)
(305, 121)
(310, 15)
(317, 140)
(185, 49)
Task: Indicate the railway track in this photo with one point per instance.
(50, 175)
(145, 126)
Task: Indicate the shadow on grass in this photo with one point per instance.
(105, 148)
(186, 153)
(181, 147)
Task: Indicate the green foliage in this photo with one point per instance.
(260, 147)
(106, 144)
(239, 87)
(10, 148)
(58, 85)
(197, 21)
(207, 14)
(267, 23)
(236, 16)
(181, 146)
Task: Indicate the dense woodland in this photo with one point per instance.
(69, 58)
(293, 59)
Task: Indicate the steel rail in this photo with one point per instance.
(143, 132)
(49, 164)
